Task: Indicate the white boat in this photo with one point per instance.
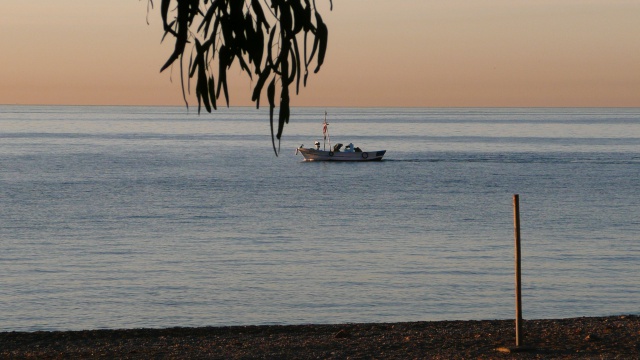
(350, 153)
(322, 155)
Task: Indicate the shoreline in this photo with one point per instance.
(608, 337)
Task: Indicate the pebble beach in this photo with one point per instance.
(612, 337)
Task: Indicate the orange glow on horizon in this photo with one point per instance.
(496, 53)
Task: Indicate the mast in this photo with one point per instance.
(325, 133)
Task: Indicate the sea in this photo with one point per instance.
(156, 217)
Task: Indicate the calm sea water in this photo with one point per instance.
(127, 217)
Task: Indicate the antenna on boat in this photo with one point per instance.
(325, 133)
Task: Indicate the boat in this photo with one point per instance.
(335, 153)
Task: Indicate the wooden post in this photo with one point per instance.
(516, 227)
(519, 334)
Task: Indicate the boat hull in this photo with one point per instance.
(320, 155)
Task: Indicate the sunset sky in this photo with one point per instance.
(440, 53)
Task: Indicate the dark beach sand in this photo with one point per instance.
(614, 337)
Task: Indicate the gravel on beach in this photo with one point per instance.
(612, 337)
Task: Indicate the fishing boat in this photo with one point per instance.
(335, 153)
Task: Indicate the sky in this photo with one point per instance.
(408, 53)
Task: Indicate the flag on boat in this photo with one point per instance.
(324, 128)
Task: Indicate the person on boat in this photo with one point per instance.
(317, 145)
(349, 148)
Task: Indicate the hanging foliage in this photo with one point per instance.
(263, 37)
